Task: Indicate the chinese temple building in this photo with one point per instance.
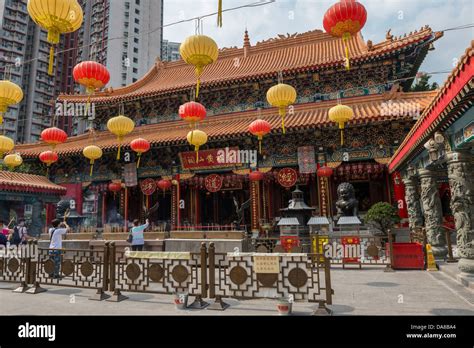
(435, 162)
(210, 190)
(27, 195)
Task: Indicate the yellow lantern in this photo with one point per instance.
(197, 138)
(120, 126)
(199, 51)
(341, 114)
(281, 96)
(13, 161)
(6, 145)
(92, 153)
(56, 17)
(10, 94)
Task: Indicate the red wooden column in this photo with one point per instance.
(254, 206)
(104, 208)
(125, 225)
(174, 205)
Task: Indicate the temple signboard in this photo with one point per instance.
(287, 177)
(212, 158)
(213, 182)
(148, 186)
(130, 174)
(306, 159)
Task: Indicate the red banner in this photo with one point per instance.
(213, 182)
(148, 186)
(287, 177)
(399, 192)
(213, 158)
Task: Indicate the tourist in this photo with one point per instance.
(20, 233)
(56, 243)
(5, 229)
(137, 235)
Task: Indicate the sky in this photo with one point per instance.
(298, 16)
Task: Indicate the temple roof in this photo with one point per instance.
(305, 116)
(28, 183)
(452, 99)
(288, 54)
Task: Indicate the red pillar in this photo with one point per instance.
(399, 192)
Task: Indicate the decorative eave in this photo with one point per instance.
(28, 183)
(452, 99)
(235, 125)
(289, 54)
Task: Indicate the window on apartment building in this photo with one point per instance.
(127, 5)
(134, 80)
(135, 50)
(137, 11)
(136, 30)
(135, 70)
(135, 60)
(137, 21)
(137, 2)
(136, 40)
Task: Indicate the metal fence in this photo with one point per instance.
(206, 274)
(343, 250)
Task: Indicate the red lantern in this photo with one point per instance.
(164, 185)
(140, 146)
(53, 136)
(91, 75)
(48, 157)
(259, 128)
(325, 172)
(192, 112)
(115, 187)
(256, 176)
(345, 19)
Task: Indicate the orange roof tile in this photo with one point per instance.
(366, 108)
(13, 181)
(433, 114)
(297, 52)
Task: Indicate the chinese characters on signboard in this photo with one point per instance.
(148, 186)
(306, 160)
(266, 264)
(206, 159)
(287, 177)
(213, 182)
(130, 174)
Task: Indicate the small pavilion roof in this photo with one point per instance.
(28, 183)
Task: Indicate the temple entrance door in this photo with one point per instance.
(362, 193)
(219, 207)
(377, 191)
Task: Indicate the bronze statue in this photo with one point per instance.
(346, 204)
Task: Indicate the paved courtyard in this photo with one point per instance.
(369, 291)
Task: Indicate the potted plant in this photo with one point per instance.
(382, 216)
(284, 306)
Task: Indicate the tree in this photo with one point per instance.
(382, 216)
(423, 84)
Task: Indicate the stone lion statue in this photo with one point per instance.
(346, 204)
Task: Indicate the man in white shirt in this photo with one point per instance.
(56, 243)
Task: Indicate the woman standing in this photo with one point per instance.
(137, 235)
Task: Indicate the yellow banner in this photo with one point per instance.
(159, 255)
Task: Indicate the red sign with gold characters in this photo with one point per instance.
(148, 186)
(213, 158)
(287, 177)
(213, 182)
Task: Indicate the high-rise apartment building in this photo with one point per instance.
(170, 51)
(124, 35)
(21, 41)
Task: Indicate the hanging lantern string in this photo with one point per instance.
(219, 14)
